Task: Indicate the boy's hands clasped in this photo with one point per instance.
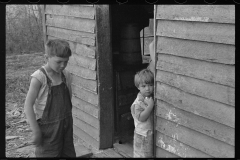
(149, 101)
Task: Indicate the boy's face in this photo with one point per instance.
(146, 89)
(58, 64)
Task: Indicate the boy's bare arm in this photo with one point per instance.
(146, 113)
(29, 102)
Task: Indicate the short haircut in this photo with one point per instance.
(144, 76)
(59, 48)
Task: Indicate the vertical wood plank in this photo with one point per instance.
(44, 26)
(105, 76)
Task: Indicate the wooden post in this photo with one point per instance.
(105, 76)
(155, 87)
(44, 26)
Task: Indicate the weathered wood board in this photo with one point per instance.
(71, 10)
(211, 52)
(70, 35)
(85, 136)
(93, 132)
(71, 23)
(162, 153)
(195, 139)
(199, 13)
(81, 71)
(89, 63)
(208, 32)
(218, 73)
(85, 95)
(85, 107)
(90, 120)
(212, 110)
(208, 90)
(84, 83)
(172, 145)
(85, 50)
(195, 122)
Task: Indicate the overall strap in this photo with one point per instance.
(49, 82)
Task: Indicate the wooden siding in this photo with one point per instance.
(195, 81)
(85, 107)
(217, 73)
(211, 52)
(197, 105)
(208, 32)
(196, 122)
(75, 36)
(76, 24)
(199, 13)
(164, 153)
(86, 83)
(194, 139)
(71, 10)
(209, 90)
(91, 130)
(172, 145)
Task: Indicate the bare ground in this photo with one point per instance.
(18, 134)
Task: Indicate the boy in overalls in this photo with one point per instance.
(48, 105)
(141, 111)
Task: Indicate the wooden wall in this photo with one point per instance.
(76, 24)
(195, 74)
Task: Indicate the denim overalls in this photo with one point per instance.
(56, 123)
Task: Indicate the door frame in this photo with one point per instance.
(104, 76)
(155, 85)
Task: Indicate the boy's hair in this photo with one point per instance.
(144, 76)
(59, 48)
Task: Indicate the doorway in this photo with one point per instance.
(132, 32)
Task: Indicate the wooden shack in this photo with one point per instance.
(194, 74)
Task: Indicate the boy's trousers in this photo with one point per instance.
(143, 145)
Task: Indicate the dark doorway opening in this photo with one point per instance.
(131, 31)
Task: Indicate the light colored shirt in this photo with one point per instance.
(137, 107)
(41, 99)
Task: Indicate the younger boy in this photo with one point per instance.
(141, 110)
(48, 106)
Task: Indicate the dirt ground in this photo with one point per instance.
(18, 133)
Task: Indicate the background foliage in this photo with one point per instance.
(24, 33)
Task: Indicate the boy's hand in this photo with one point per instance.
(149, 101)
(37, 138)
